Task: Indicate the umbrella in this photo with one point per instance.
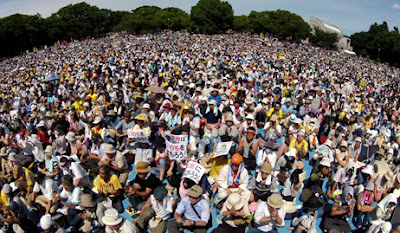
(367, 151)
(52, 77)
(155, 89)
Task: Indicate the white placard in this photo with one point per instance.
(223, 148)
(176, 151)
(178, 138)
(193, 171)
(137, 135)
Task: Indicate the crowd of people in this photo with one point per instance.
(69, 160)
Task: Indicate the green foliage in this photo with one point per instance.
(212, 16)
(324, 39)
(378, 43)
(241, 23)
(281, 23)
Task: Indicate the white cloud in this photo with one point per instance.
(396, 6)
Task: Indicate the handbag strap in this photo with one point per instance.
(194, 209)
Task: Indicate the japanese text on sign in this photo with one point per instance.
(178, 138)
(193, 171)
(137, 135)
(176, 151)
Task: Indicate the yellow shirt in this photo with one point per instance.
(3, 199)
(29, 177)
(271, 110)
(112, 185)
(216, 165)
(294, 144)
(93, 97)
(78, 106)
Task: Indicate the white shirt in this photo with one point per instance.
(164, 209)
(73, 197)
(46, 188)
(271, 134)
(262, 154)
(126, 227)
(261, 212)
(75, 170)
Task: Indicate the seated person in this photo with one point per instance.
(233, 178)
(248, 147)
(108, 185)
(43, 193)
(116, 162)
(263, 184)
(269, 215)
(192, 213)
(19, 221)
(142, 186)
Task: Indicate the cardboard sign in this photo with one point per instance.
(176, 151)
(302, 176)
(193, 171)
(223, 148)
(137, 135)
(178, 138)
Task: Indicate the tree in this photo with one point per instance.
(324, 39)
(241, 23)
(212, 16)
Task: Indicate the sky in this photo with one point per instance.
(349, 15)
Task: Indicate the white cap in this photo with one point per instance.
(146, 105)
(46, 222)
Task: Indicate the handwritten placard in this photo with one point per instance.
(176, 151)
(178, 138)
(223, 148)
(137, 135)
(193, 171)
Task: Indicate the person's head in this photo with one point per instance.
(110, 151)
(275, 202)
(195, 193)
(105, 172)
(174, 110)
(39, 177)
(277, 106)
(343, 146)
(191, 114)
(229, 120)
(265, 170)
(250, 132)
(300, 135)
(127, 116)
(236, 160)
(67, 182)
(13, 208)
(160, 193)
(47, 224)
(142, 169)
(324, 165)
(215, 92)
(141, 119)
(212, 104)
(185, 130)
(64, 162)
(112, 219)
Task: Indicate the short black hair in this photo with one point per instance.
(105, 168)
(67, 180)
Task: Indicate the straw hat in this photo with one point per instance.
(87, 201)
(140, 117)
(380, 152)
(142, 167)
(195, 191)
(111, 113)
(275, 201)
(249, 100)
(3, 152)
(344, 144)
(212, 102)
(49, 149)
(235, 200)
(266, 168)
(48, 114)
(250, 117)
(109, 149)
(229, 118)
(111, 217)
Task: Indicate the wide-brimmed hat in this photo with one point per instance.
(195, 191)
(12, 156)
(48, 114)
(274, 118)
(369, 169)
(235, 200)
(141, 117)
(6, 189)
(97, 120)
(297, 121)
(313, 203)
(212, 102)
(326, 162)
(41, 124)
(111, 113)
(344, 144)
(3, 152)
(266, 168)
(142, 167)
(370, 186)
(249, 100)
(160, 192)
(146, 105)
(229, 118)
(70, 136)
(109, 149)
(87, 201)
(49, 149)
(380, 152)
(328, 142)
(388, 175)
(275, 201)
(249, 117)
(111, 217)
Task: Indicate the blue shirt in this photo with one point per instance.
(216, 98)
(202, 207)
(286, 109)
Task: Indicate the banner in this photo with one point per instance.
(193, 171)
(137, 135)
(223, 148)
(176, 151)
(178, 138)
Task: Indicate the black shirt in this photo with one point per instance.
(26, 224)
(151, 182)
(211, 118)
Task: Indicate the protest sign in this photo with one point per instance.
(176, 151)
(223, 148)
(137, 135)
(178, 138)
(193, 171)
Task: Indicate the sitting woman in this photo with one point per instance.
(365, 205)
(236, 215)
(384, 210)
(342, 209)
(263, 185)
(344, 176)
(187, 183)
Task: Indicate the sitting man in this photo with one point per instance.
(19, 221)
(74, 169)
(116, 161)
(263, 184)
(115, 223)
(107, 185)
(140, 189)
(233, 178)
(269, 215)
(46, 187)
(192, 213)
(159, 207)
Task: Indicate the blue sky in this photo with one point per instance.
(349, 15)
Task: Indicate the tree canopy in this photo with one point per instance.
(324, 39)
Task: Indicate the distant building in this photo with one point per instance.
(344, 42)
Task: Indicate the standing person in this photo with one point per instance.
(269, 215)
(156, 211)
(192, 213)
